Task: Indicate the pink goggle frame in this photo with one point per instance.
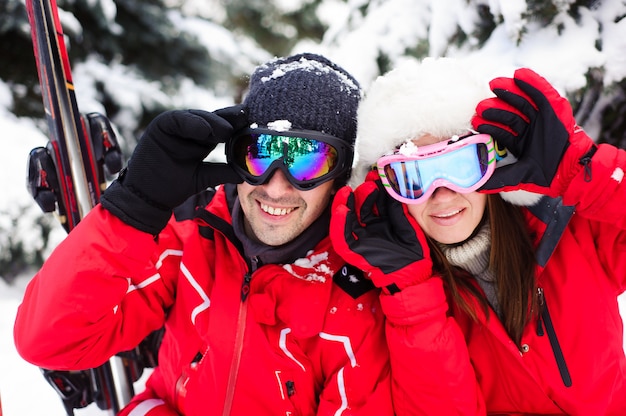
(462, 164)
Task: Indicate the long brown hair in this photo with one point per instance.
(512, 262)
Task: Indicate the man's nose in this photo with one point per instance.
(277, 184)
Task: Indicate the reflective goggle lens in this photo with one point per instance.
(462, 167)
(306, 161)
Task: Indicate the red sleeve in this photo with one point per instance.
(430, 365)
(599, 194)
(599, 190)
(83, 306)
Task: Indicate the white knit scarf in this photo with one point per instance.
(473, 256)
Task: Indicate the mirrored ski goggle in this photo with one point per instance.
(461, 164)
(307, 158)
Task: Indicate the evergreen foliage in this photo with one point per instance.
(181, 53)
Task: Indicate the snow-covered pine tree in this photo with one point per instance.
(586, 37)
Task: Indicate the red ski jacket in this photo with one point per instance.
(572, 356)
(303, 339)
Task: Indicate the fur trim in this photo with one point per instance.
(436, 96)
(521, 197)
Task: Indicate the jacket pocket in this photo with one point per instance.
(544, 319)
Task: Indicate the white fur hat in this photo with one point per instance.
(437, 96)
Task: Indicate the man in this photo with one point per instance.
(261, 316)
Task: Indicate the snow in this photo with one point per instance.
(354, 41)
(309, 66)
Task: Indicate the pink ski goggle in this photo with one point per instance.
(462, 164)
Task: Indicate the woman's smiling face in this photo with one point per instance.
(447, 216)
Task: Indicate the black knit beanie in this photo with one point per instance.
(307, 90)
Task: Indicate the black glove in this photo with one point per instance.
(375, 233)
(167, 166)
(536, 124)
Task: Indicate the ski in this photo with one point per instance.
(67, 177)
(71, 152)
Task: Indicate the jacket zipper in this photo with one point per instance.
(544, 317)
(239, 335)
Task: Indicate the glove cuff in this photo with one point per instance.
(392, 283)
(133, 210)
(418, 304)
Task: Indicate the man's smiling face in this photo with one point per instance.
(276, 212)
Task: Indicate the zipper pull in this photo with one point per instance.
(540, 302)
(245, 287)
(585, 161)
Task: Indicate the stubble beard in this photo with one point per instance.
(272, 234)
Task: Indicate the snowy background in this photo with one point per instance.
(563, 51)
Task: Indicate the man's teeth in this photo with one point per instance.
(276, 211)
(449, 214)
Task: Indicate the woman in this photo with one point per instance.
(499, 285)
